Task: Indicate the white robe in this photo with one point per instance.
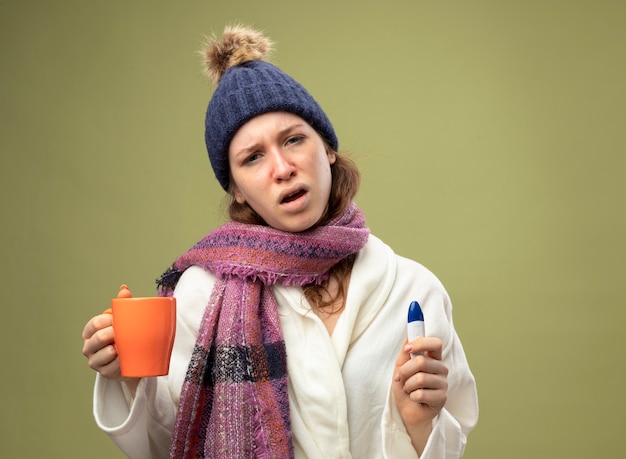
(339, 384)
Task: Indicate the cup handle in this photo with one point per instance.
(107, 311)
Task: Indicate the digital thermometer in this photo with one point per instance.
(415, 324)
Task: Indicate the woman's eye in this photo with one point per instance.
(294, 139)
(252, 158)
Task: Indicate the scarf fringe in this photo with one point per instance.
(268, 278)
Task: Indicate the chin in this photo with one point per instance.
(297, 225)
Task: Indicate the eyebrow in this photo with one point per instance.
(255, 146)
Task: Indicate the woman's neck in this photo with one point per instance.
(328, 300)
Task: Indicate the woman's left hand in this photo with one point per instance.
(420, 387)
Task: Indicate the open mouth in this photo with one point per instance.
(293, 196)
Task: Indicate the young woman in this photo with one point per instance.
(291, 328)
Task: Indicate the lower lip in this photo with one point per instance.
(297, 203)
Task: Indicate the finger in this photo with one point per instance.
(431, 398)
(97, 323)
(425, 381)
(426, 389)
(102, 358)
(403, 356)
(421, 365)
(98, 340)
(430, 345)
(110, 370)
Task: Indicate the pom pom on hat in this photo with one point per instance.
(248, 86)
(239, 44)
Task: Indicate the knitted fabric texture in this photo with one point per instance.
(248, 90)
(234, 400)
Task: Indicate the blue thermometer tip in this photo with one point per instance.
(415, 312)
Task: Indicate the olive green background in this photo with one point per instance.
(490, 134)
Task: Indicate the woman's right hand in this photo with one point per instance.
(99, 348)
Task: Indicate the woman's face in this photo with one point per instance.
(280, 167)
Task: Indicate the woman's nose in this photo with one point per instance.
(283, 167)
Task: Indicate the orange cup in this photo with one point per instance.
(144, 331)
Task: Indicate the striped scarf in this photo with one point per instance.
(234, 400)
